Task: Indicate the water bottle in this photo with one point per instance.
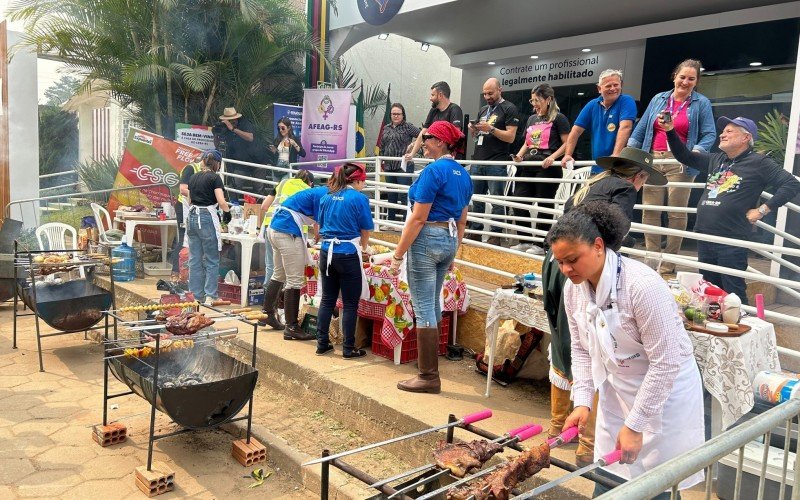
(125, 269)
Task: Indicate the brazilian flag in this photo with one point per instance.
(361, 143)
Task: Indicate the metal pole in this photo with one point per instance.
(325, 476)
(250, 409)
(16, 297)
(153, 405)
(35, 311)
(451, 430)
(105, 372)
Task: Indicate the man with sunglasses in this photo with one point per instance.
(493, 133)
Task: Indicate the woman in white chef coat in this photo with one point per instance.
(629, 343)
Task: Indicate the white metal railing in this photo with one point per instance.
(378, 183)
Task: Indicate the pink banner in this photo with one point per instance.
(326, 114)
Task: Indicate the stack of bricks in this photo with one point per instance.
(250, 453)
(107, 435)
(160, 479)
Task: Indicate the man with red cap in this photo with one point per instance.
(434, 230)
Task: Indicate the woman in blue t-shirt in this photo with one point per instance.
(290, 255)
(433, 231)
(345, 222)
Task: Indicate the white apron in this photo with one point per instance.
(212, 209)
(356, 243)
(301, 220)
(619, 366)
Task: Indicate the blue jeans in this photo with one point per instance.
(429, 258)
(726, 256)
(397, 198)
(494, 188)
(203, 255)
(344, 275)
(269, 260)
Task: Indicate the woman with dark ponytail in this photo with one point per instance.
(345, 221)
(629, 343)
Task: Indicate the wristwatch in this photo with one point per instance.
(763, 209)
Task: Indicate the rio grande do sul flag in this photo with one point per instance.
(150, 159)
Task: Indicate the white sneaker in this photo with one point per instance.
(208, 302)
(521, 247)
(535, 250)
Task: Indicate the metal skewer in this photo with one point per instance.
(608, 459)
(564, 437)
(466, 420)
(514, 436)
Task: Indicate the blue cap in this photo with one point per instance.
(746, 123)
(213, 153)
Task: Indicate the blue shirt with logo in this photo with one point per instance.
(603, 124)
(343, 215)
(446, 185)
(305, 202)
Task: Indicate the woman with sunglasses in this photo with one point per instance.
(440, 197)
(286, 145)
(345, 221)
(629, 343)
(396, 138)
(546, 135)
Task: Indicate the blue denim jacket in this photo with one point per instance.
(702, 131)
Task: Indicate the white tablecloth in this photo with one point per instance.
(509, 305)
(729, 365)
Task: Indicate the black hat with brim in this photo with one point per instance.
(633, 157)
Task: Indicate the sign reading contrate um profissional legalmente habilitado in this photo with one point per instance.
(150, 159)
(558, 71)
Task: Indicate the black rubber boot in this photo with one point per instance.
(270, 298)
(292, 310)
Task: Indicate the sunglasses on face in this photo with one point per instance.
(428, 136)
(397, 114)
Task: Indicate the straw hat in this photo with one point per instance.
(633, 157)
(230, 114)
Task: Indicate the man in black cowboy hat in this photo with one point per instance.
(234, 136)
(730, 207)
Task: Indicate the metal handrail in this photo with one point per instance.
(667, 475)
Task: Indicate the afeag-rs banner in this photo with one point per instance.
(326, 115)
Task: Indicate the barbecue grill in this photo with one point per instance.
(428, 482)
(186, 377)
(67, 304)
(9, 232)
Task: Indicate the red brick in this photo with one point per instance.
(107, 435)
(250, 453)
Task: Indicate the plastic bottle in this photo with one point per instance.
(125, 269)
(237, 218)
(714, 297)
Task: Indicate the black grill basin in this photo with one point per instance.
(71, 306)
(197, 387)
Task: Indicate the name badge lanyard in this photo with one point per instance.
(489, 111)
(721, 171)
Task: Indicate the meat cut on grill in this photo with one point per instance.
(498, 484)
(460, 458)
(187, 323)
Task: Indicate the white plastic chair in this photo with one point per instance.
(55, 234)
(103, 219)
(567, 189)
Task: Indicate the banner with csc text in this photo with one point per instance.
(150, 159)
(326, 114)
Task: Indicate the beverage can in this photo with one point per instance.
(775, 387)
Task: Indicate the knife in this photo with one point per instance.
(609, 459)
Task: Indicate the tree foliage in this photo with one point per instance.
(169, 61)
(58, 132)
(772, 135)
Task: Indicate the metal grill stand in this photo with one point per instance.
(206, 405)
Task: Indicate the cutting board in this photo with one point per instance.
(740, 330)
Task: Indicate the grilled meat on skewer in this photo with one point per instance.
(498, 484)
(460, 458)
(187, 323)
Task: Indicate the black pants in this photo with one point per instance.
(343, 275)
(397, 199)
(177, 245)
(725, 256)
(536, 190)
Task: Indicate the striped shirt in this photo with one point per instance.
(394, 142)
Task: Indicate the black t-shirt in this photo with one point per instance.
(501, 116)
(452, 113)
(733, 187)
(236, 147)
(545, 136)
(202, 186)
